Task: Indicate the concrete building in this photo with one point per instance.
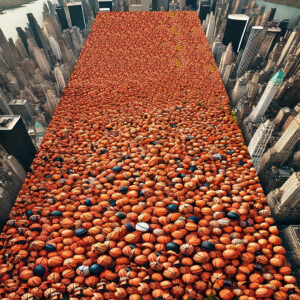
(16, 141)
(239, 90)
(282, 149)
(210, 28)
(22, 107)
(267, 97)
(253, 43)
(293, 41)
(285, 202)
(268, 41)
(235, 30)
(260, 140)
(77, 14)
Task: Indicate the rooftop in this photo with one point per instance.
(8, 122)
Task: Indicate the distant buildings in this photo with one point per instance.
(253, 44)
(284, 201)
(235, 30)
(260, 140)
(266, 98)
(76, 14)
(16, 141)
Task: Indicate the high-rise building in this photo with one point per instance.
(22, 107)
(76, 14)
(268, 42)
(210, 28)
(254, 41)
(105, 4)
(283, 25)
(266, 98)
(239, 90)
(291, 192)
(204, 10)
(260, 140)
(16, 141)
(235, 30)
(283, 148)
(60, 11)
(289, 138)
(226, 59)
(271, 14)
(4, 107)
(37, 32)
(293, 41)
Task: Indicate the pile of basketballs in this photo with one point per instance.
(142, 187)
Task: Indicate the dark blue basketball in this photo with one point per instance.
(117, 168)
(39, 270)
(50, 248)
(28, 213)
(208, 246)
(194, 219)
(88, 202)
(121, 215)
(96, 269)
(112, 202)
(124, 189)
(232, 215)
(129, 227)
(103, 151)
(193, 168)
(80, 232)
(172, 246)
(172, 207)
(228, 283)
(56, 213)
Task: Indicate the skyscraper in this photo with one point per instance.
(235, 30)
(292, 41)
(266, 98)
(239, 90)
(291, 191)
(271, 14)
(16, 141)
(260, 140)
(283, 25)
(62, 17)
(210, 28)
(283, 148)
(251, 49)
(105, 4)
(4, 107)
(268, 42)
(204, 9)
(76, 14)
(37, 32)
(22, 107)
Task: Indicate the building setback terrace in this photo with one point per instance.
(142, 187)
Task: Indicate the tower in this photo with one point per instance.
(210, 28)
(271, 14)
(62, 17)
(105, 4)
(16, 141)
(266, 98)
(251, 49)
(239, 90)
(260, 140)
(76, 14)
(235, 30)
(268, 42)
(22, 107)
